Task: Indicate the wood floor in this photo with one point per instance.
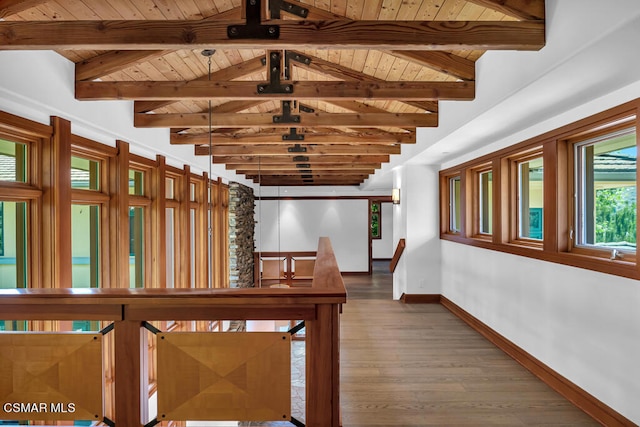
(419, 365)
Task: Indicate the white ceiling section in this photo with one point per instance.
(591, 50)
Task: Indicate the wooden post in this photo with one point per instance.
(323, 370)
(131, 385)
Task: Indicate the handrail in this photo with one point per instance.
(318, 305)
(396, 255)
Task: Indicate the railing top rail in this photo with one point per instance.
(326, 274)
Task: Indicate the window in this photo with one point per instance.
(568, 196)
(13, 161)
(530, 199)
(136, 247)
(136, 183)
(13, 245)
(376, 213)
(85, 174)
(606, 192)
(485, 202)
(455, 205)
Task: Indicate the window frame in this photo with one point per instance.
(614, 124)
(556, 149)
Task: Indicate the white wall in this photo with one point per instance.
(383, 248)
(583, 324)
(303, 222)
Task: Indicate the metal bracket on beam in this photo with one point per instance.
(291, 56)
(275, 6)
(306, 109)
(274, 85)
(301, 159)
(297, 149)
(303, 165)
(293, 135)
(286, 116)
(253, 29)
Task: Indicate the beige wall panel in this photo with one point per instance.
(218, 377)
(51, 376)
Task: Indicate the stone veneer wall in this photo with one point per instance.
(241, 235)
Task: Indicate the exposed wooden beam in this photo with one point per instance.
(113, 61)
(289, 160)
(315, 167)
(443, 62)
(171, 34)
(321, 66)
(282, 150)
(292, 183)
(110, 62)
(522, 9)
(240, 70)
(12, 7)
(326, 173)
(263, 138)
(199, 120)
(301, 90)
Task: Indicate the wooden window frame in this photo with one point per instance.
(556, 149)
(474, 201)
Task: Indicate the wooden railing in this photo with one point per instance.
(396, 255)
(287, 268)
(128, 309)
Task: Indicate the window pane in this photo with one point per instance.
(193, 247)
(486, 202)
(85, 174)
(13, 245)
(192, 192)
(169, 188)
(454, 204)
(13, 161)
(607, 191)
(170, 235)
(136, 247)
(85, 246)
(136, 182)
(531, 200)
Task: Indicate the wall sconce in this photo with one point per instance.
(395, 196)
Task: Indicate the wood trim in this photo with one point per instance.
(169, 34)
(420, 298)
(397, 254)
(576, 395)
(555, 148)
(56, 207)
(119, 218)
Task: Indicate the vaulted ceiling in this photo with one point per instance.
(294, 92)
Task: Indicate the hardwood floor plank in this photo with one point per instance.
(419, 365)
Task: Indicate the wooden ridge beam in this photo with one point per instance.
(289, 183)
(301, 90)
(263, 138)
(326, 173)
(180, 34)
(283, 150)
(289, 160)
(200, 120)
(316, 167)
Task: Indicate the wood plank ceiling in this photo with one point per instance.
(322, 93)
